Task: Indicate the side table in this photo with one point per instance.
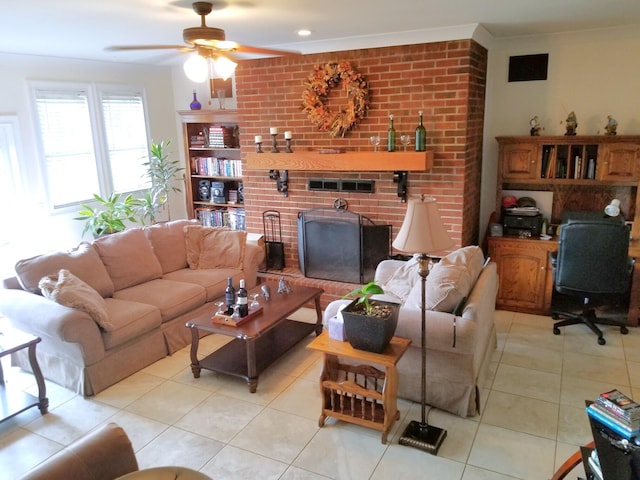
(360, 393)
(12, 401)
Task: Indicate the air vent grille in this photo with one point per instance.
(337, 185)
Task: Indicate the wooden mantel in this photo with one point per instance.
(341, 162)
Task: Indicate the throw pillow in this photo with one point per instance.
(403, 279)
(128, 257)
(449, 281)
(167, 240)
(68, 290)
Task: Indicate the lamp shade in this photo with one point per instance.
(224, 67)
(422, 230)
(196, 68)
(613, 209)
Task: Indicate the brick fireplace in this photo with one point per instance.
(444, 79)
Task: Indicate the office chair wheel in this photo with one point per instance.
(624, 330)
(555, 316)
(601, 341)
(556, 331)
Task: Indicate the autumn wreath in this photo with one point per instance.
(317, 87)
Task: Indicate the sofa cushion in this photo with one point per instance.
(68, 290)
(167, 241)
(129, 320)
(83, 262)
(128, 257)
(214, 247)
(403, 279)
(170, 297)
(214, 281)
(450, 280)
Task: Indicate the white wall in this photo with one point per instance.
(60, 231)
(593, 73)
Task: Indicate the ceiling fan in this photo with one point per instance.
(207, 42)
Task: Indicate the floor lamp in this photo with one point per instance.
(423, 232)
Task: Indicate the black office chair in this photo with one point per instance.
(592, 260)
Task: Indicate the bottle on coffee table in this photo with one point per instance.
(243, 299)
(229, 296)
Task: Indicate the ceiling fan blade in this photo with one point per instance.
(182, 48)
(265, 51)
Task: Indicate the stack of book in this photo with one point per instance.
(618, 412)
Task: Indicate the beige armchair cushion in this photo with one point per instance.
(449, 281)
(128, 257)
(83, 262)
(214, 247)
(68, 290)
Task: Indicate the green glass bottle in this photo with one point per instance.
(391, 136)
(421, 136)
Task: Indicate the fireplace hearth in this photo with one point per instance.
(338, 245)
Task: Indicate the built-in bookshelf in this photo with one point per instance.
(214, 187)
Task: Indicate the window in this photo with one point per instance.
(93, 140)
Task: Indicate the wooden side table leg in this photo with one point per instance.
(252, 376)
(43, 401)
(390, 400)
(195, 342)
(326, 366)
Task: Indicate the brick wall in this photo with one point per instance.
(446, 80)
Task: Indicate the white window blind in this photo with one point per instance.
(125, 128)
(68, 145)
(94, 140)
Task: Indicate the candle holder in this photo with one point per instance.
(274, 147)
(259, 147)
(287, 148)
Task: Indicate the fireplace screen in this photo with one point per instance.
(339, 245)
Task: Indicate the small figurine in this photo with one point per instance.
(534, 123)
(283, 286)
(611, 126)
(572, 124)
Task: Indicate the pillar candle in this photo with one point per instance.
(273, 130)
(288, 135)
(258, 138)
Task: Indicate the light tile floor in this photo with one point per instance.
(533, 416)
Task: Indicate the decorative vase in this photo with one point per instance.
(366, 332)
(195, 104)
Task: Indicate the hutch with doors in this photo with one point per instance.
(584, 173)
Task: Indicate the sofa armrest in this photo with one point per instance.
(65, 329)
(104, 454)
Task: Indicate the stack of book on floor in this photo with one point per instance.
(618, 412)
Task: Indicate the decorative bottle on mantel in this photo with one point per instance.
(391, 136)
(195, 104)
(421, 136)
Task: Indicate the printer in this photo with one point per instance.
(522, 219)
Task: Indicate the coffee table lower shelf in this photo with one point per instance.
(247, 358)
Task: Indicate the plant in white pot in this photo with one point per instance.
(369, 324)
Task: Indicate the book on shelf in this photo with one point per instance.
(619, 403)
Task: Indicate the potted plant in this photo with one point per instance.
(162, 173)
(110, 216)
(369, 324)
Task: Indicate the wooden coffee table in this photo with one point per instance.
(260, 341)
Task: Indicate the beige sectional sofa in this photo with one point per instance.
(120, 303)
(457, 357)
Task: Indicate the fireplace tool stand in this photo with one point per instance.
(273, 239)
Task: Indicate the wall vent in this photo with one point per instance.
(337, 185)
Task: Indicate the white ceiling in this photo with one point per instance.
(82, 28)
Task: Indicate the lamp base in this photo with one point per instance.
(423, 436)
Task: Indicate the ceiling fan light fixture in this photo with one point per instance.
(196, 68)
(224, 67)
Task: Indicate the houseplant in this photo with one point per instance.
(369, 324)
(110, 215)
(162, 173)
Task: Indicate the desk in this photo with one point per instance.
(526, 282)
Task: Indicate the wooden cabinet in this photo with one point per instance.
(525, 273)
(519, 161)
(214, 187)
(620, 162)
